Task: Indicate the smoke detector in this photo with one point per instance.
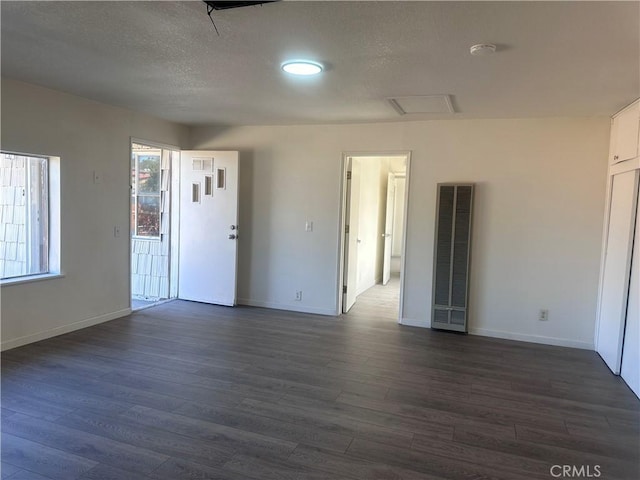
(482, 49)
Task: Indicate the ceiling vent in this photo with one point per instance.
(421, 104)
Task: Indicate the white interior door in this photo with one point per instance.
(630, 369)
(351, 240)
(388, 228)
(615, 279)
(208, 226)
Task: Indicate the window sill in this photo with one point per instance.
(29, 279)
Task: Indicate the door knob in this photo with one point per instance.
(232, 236)
(233, 227)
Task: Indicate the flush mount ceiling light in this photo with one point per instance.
(302, 67)
(482, 49)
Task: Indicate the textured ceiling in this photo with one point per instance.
(164, 58)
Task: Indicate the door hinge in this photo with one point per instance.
(348, 175)
(346, 229)
(344, 289)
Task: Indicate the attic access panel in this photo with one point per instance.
(422, 104)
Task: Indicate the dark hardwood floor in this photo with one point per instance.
(193, 391)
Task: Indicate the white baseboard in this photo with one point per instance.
(414, 322)
(522, 337)
(54, 332)
(286, 306)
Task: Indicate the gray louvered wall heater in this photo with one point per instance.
(454, 214)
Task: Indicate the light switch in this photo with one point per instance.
(97, 177)
(308, 226)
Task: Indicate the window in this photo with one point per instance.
(24, 215)
(145, 191)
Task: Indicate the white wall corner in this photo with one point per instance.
(36, 337)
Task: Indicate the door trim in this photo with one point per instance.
(342, 221)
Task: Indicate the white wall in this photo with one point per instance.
(372, 207)
(537, 227)
(87, 136)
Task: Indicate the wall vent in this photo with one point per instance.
(452, 256)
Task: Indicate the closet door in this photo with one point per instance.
(452, 256)
(617, 268)
(630, 370)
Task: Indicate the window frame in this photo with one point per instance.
(49, 249)
(135, 160)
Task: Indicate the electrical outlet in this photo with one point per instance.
(299, 296)
(543, 315)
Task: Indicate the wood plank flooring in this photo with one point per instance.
(192, 391)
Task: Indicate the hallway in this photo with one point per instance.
(380, 302)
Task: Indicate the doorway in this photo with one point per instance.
(373, 224)
(184, 225)
(152, 231)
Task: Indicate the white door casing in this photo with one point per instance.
(208, 226)
(343, 239)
